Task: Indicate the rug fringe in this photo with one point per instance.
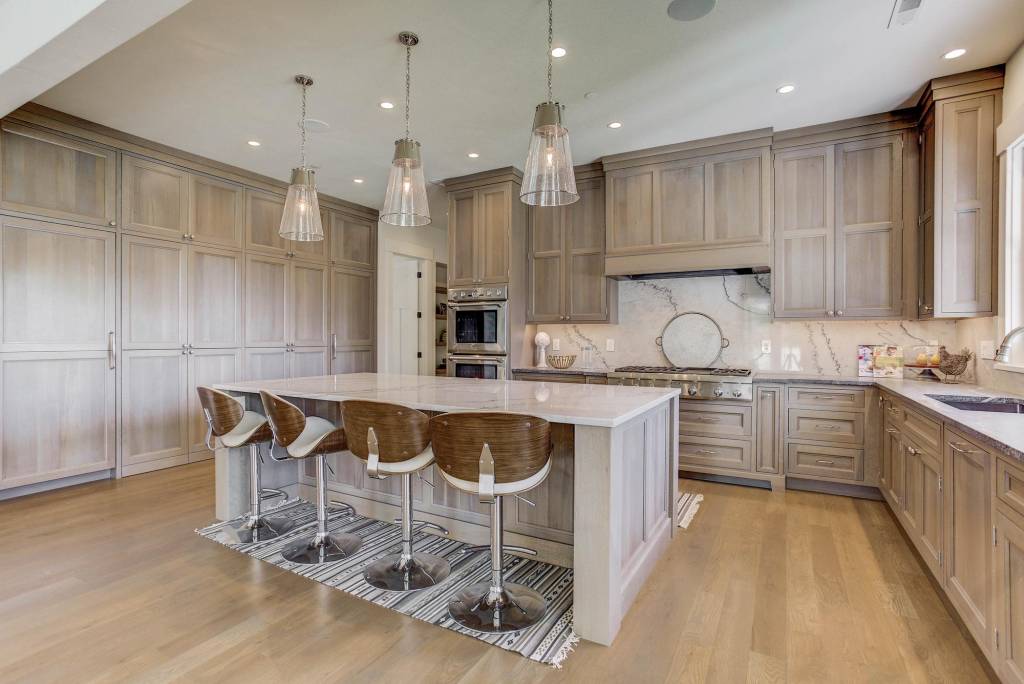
(691, 511)
(564, 651)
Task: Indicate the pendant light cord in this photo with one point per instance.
(550, 38)
(408, 66)
(302, 128)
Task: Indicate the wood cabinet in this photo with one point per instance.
(57, 176)
(565, 265)
(968, 505)
(839, 229)
(169, 202)
(154, 409)
(923, 502)
(207, 367)
(768, 429)
(214, 297)
(825, 435)
(1009, 595)
(263, 213)
(694, 206)
(353, 241)
(286, 302)
(486, 228)
(959, 192)
(890, 478)
(353, 308)
(275, 363)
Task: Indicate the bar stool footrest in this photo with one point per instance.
(511, 609)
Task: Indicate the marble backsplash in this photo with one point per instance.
(742, 307)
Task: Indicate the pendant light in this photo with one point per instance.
(301, 219)
(548, 176)
(405, 202)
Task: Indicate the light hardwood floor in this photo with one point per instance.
(108, 582)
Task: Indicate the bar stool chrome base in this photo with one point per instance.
(399, 572)
(263, 528)
(326, 549)
(482, 608)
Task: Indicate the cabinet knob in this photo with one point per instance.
(839, 313)
(112, 223)
(830, 312)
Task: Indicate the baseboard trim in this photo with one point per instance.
(38, 487)
(837, 488)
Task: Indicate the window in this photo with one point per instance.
(1012, 267)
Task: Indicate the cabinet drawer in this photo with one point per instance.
(711, 452)
(712, 420)
(550, 377)
(925, 431)
(831, 397)
(826, 426)
(1010, 485)
(823, 461)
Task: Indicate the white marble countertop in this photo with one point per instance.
(575, 404)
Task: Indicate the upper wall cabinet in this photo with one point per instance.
(486, 225)
(353, 241)
(263, 212)
(565, 267)
(52, 175)
(839, 219)
(696, 206)
(166, 201)
(958, 195)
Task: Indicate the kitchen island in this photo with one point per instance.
(606, 507)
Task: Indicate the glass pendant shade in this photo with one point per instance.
(548, 176)
(405, 202)
(301, 220)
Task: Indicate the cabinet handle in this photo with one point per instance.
(823, 461)
(111, 357)
(926, 308)
(892, 431)
(334, 345)
(826, 397)
(822, 426)
(112, 223)
(959, 448)
(707, 419)
(184, 236)
(708, 452)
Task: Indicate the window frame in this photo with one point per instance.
(1011, 265)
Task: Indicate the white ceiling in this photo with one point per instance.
(219, 72)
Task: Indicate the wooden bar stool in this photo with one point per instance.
(227, 419)
(311, 437)
(395, 440)
(493, 455)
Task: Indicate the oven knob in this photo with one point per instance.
(692, 390)
(737, 392)
(719, 391)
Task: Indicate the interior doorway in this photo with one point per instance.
(407, 284)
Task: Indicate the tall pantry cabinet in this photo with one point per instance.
(130, 275)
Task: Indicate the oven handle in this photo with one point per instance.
(475, 306)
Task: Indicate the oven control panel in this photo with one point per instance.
(478, 294)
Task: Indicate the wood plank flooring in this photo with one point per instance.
(106, 582)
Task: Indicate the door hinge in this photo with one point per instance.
(419, 355)
(940, 483)
(997, 638)
(419, 274)
(940, 559)
(419, 314)
(995, 536)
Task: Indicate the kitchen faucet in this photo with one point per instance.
(1003, 355)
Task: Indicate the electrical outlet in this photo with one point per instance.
(609, 344)
(766, 346)
(987, 349)
(556, 344)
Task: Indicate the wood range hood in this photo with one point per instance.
(696, 208)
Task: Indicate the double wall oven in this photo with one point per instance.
(478, 334)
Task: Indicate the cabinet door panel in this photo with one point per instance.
(768, 414)
(57, 416)
(154, 274)
(308, 362)
(588, 289)
(462, 249)
(266, 364)
(353, 242)
(266, 301)
(804, 233)
(869, 229)
(966, 245)
(215, 297)
(154, 198)
(216, 211)
(737, 199)
(207, 367)
(50, 175)
(353, 307)
(154, 406)
(263, 212)
(494, 230)
(631, 209)
(682, 195)
(309, 325)
(589, 296)
(926, 237)
(891, 479)
(354, 361)
(546, 279)
(930, 532)
(1009, 580)
(57, 285)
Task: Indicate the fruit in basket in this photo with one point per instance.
(936, 359)
(922, 359)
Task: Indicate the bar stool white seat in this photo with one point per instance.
(394, 440)
(228, 421)
(311, 437)
(493, 455)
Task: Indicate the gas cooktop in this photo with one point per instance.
(676, 370)
(696, 383)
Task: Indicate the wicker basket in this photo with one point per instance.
(562, 361)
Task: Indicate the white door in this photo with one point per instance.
(404, 342)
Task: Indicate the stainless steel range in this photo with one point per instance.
(718, 384)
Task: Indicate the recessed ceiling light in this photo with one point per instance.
(689, 10)
(953, 54)
(357, 180)
(785, 89)
(558, 52)
(254, 143)
(387, 105)
(473, 155)
(615, 124)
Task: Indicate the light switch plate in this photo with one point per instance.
(766, 346)
(987, 349)
(609, 344)
(556, 344)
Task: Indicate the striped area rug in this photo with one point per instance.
(550, 641)
(687, 507)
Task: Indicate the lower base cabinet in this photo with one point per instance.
(154, 406)
(1009, 594)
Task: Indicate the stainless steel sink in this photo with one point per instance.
(989, 404)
